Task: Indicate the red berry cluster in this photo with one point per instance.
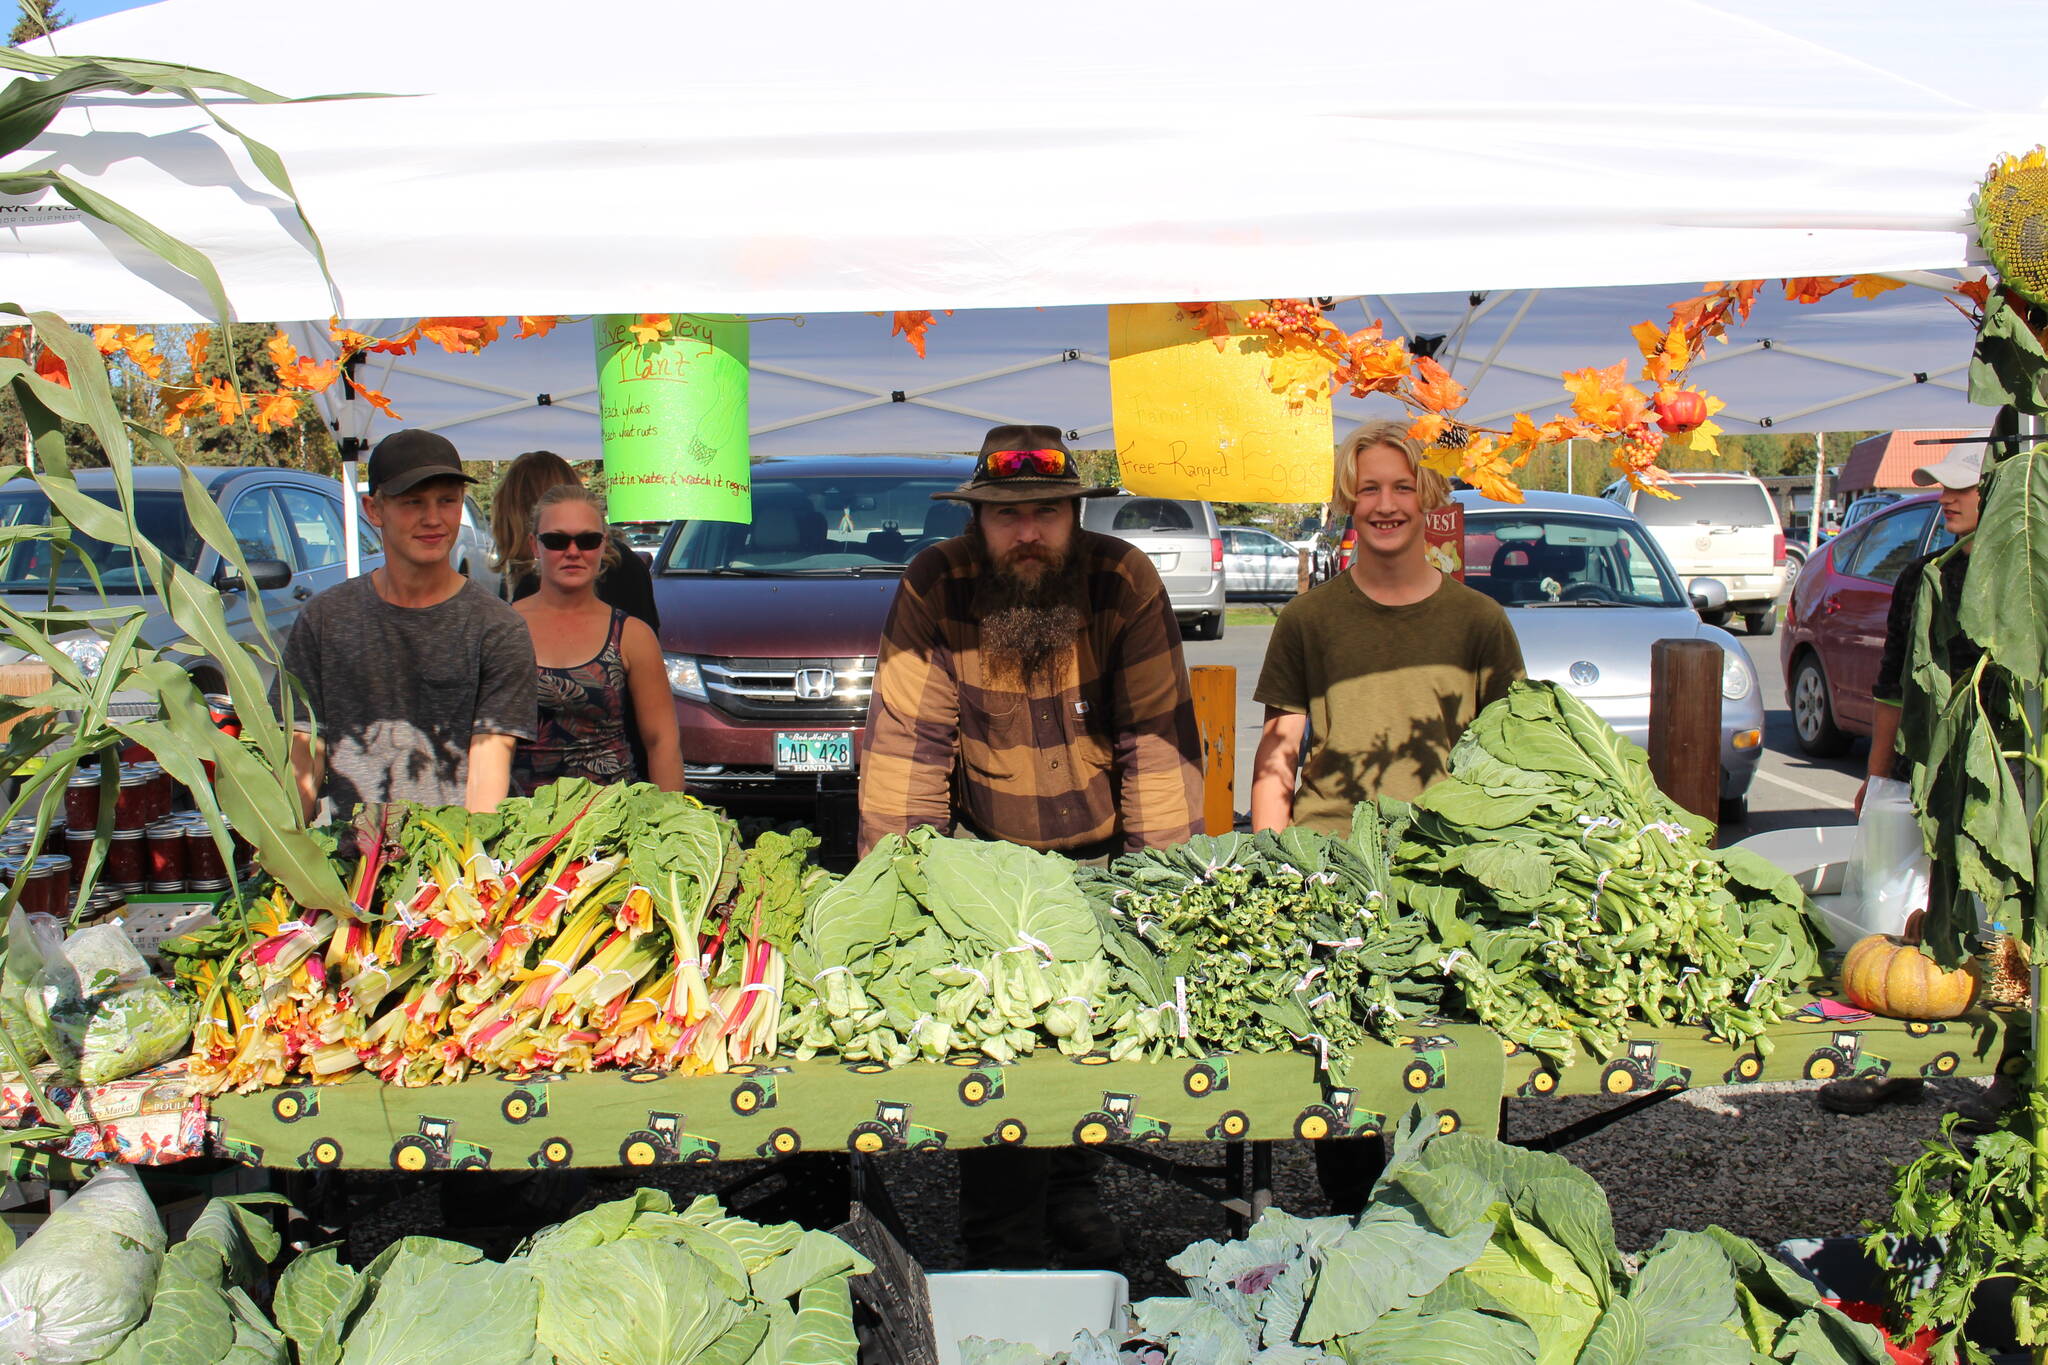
(1287, 315)
(1639, 450)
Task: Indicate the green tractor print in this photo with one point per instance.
(528, 1100)
(1427, 1068)
(1541, 1084)
(1118, 1120)
(1232, 1125)
(552, 1155)
(753, 1095)
(1640, 1070)
(981, 1085)
(1338, 1116)
(295, 1103)
(233, 1148)
(1921, 1028)
(1844, 1057)
(1942, 1064)
(1207, 1076)
(1748, 1067)
(323, 1155)
(1008, 1133)
(891, 1130)
(664, 1143)
(781, 1142)
(434, 1149)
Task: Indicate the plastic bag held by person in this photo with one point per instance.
(103, 1016)
(1891, 857)
(85, 1279)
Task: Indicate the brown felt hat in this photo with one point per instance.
(1023, 464)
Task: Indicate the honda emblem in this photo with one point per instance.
(814, 684)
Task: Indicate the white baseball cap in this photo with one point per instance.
(1964, 468)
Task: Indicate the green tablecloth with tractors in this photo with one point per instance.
(1456, 1073)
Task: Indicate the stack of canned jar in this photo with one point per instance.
(151, 847)
(48, 888)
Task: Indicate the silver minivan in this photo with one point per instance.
(1183, 541)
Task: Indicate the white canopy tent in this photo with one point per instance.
(1030, 165)
(826, 157)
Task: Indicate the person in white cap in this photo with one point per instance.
(1957, 477)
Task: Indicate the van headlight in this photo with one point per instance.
(685, 678)
(1738, 679)
(88, 652)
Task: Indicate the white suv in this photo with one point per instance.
(1722, 526)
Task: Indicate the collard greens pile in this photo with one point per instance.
(1471, 1253)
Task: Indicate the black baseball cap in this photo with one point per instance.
(406, 459)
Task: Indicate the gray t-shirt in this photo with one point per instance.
(398, 692)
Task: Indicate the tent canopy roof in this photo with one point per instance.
(822, 156)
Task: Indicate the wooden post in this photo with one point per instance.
(23, 680)
(1303, 570)
(1215, 691)
(1685, 723)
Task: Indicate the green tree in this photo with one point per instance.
(240, 358)
(38, 17)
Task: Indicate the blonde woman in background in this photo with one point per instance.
(625, 582)
(593, 659)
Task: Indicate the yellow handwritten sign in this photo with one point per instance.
(1193, 421)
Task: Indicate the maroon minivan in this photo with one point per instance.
(770, 629)
(1833, 638)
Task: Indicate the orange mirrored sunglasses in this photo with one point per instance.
(1004, 464)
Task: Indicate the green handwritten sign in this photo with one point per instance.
(674, 408)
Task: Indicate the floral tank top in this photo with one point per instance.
(583, 714)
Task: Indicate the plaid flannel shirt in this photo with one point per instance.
(1107, 751)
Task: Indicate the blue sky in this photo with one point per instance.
(76, 10)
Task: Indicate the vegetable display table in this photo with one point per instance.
(1456, 1073)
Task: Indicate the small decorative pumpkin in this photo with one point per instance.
(1886, 975)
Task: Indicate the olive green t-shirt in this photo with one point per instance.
(1387, 690)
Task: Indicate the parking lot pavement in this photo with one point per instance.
(1791, 791)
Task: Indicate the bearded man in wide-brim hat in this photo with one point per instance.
(1030, 688)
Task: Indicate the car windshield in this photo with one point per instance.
(827, 525)
(1538, 558)
(25, 564)
(1722, 504)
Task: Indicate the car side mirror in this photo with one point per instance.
(266, 574)
(1708, 594)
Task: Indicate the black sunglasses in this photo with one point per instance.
(558, 541)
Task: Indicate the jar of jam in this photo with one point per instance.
(82, 799)
(127, 869)
(131, 810)
(49, 882)
(78, 847)
(166, 841)
(245, 852)
(161, 788)
(204, 868)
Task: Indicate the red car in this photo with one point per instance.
(1834, 629)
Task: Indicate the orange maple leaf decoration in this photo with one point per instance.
(1217, 319)
(373, 398)
(911, 325)
(51, 367)
(196, 348)
(280, 349)
(651, 328)
(1812, 288)
(535, 327)
(1434, 388)
(275, 410)
(1870, 286)
(14, 344)
(227, 405)
(460, 336)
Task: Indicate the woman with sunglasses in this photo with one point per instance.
(593, 659)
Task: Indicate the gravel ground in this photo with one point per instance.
(1763, 1160)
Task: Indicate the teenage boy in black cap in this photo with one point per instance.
(419, 681)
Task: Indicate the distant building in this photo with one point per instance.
(1885, 463)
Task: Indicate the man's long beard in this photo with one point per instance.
(1028, 624)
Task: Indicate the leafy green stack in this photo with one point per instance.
(934, 945)
(1266, 942)
(632, 1282)
(1569, 896)
(1473, 1252)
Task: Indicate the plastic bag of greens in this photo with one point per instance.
(104, 1015)
(32, 940)
(84, 1280)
